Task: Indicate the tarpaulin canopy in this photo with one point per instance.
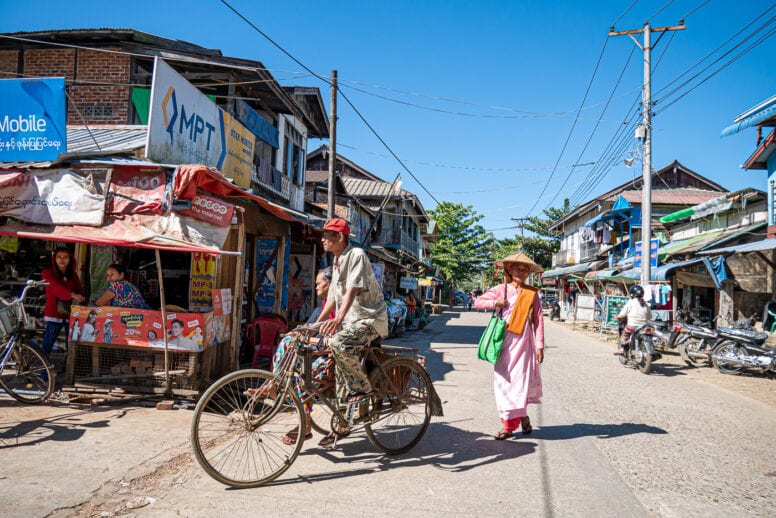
(189, 178)
(170, 232)
(566, 270)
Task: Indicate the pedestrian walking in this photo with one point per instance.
(516, 378)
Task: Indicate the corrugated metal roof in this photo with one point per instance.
(369, 188)
(765, 244)
(577, 268)
(105, 139)
(673, 196)
(757, 115)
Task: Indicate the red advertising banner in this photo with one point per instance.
(136, 192)
(210, 209)
(191, 332)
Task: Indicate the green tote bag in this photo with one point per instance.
(492, 339)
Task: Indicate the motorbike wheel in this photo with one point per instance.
(623, 358)
(728, 348)
(688, 348)
(645, 364)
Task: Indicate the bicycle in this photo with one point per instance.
(26, 373)
(238, 423)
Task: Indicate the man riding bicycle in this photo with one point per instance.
(361, 314)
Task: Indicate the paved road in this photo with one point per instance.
(607, 441)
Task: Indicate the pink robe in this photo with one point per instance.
(516, 378)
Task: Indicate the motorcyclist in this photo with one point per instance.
(635, 313)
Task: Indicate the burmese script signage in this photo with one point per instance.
(32, 119)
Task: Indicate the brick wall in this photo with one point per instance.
(106, 101)
(9, 60)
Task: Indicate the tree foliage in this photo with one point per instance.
(541, 245)
(463, 248)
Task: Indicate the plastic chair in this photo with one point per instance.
(275, 317)
(264, 335)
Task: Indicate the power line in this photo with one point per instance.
(322, 78)
(625, 12)
(660, 10)
(595, 128)
(571, 131)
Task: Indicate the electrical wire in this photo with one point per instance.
(661, 9)
(325, 80)
(571, 131)
(624, 12)
(695, 9)
(595, 128)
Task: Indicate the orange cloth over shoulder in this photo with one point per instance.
(523, 307)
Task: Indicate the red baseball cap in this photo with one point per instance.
(337, 225)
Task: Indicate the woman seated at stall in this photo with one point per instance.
(121, 293)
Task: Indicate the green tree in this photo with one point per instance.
(540, 246)
(463, 248)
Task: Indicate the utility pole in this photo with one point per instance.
(521, 225)
(332, 142)
(646, 135)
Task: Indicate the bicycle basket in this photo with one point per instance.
(9, 316)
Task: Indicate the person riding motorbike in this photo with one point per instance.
(635, 313)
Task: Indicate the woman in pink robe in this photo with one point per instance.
(516, 377)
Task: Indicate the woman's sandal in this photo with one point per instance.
(291, 436)
(502, 434)
(267, 390)
(525, 424)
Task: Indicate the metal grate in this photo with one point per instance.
(131, 368)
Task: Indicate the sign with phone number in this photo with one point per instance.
(612, 307)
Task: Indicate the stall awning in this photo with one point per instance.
(757, 246)
(567, 270)
(661, 272)
(172, 232)
(605, 274)
(760, 113)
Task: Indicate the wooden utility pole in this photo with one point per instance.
(645, 133)
(332, 142)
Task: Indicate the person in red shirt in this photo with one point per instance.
(63, 288)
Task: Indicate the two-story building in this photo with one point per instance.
(388, 221)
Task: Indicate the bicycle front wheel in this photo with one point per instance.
(28, 376)
(239, 430)
(400, 405)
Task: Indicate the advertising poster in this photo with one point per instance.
(266, 268)
(203, 276)
(135, 192)
(56, 196)
(186, 127)
(379, 271)
(219, 323)
(300, 288)
(32, 119)
(140, 328)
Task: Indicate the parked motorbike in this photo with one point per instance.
(740, 348)
(555, 311)
(661, 334)
(696, 341)
(397, 316)
(640, 351)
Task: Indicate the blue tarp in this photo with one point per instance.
(756, 115)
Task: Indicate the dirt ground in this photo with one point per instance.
(761, 387)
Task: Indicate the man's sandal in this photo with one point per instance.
(357, 397)
(291, 436)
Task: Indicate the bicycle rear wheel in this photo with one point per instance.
(238, 434)
(28, 376)
(400, 405)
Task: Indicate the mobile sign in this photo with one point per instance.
(612, 307)
(185, 126)
(32, 119)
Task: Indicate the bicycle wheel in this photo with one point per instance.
(320, 418)
(28, 376)
(238, 436)
(400, 405)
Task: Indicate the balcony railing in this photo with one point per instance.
(561, 258)
(271, 179)
(395, 238)
(589, 250)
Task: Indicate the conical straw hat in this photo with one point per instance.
(520, 257)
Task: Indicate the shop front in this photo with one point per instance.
(182, 243)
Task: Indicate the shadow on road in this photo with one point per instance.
(444, 446)
(62, 428)
(600, 431)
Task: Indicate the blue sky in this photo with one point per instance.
(482, 95)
